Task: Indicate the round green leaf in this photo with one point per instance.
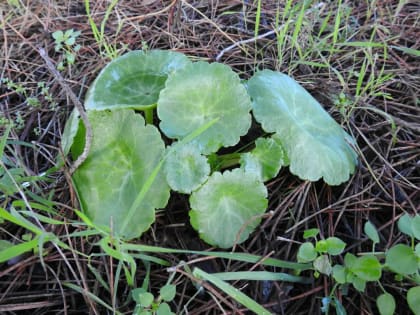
(226, 205)
(321, 246)
(386, 304)
(164, 309)
(119, 169)
(315, 144)
(335, 246)
(266, 159)
(415, 226)
(339, 274)
(371, 232)
(359, 284)
(306, 252)
(401, 259)
(185, 168)
(413, 299)
(200, 93)
(367, 268)
(145, 299)
(323, 265)
(350, 260)
(133, 80)
(167, 292)
(404, 225)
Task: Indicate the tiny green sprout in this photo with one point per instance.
(13, 86)
(401, 259)
(33, 102)
(19, 122)
(65, 43)
(148, 304)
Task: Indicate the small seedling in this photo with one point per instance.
(33, 101)
(401, 259)
(65, 42)
(147, 304)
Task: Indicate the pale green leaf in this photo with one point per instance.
(185, 168)
(133, 80)
(58, 35)
(404, 225)
(401, 259)
(227, 208)
(316, 145)
(266, 159)
(413, 299)
(145, 299)
(199, 93)
(371, 232)
(123, 155)
(323, 265)
(367, 268)
(164, 309)
(350, 260)
(415, 226)
(335, 246)
(310, 233)
(306, 252)
(321, 246)
(167, 292)
(359, 284)
(386, 304)
(339, 273)
(135, 293)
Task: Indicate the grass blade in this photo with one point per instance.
(232, 292)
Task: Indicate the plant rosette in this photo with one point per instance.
(201, 107)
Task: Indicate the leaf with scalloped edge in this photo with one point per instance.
(133, 80)
(266, 159)
(185, 167)
(316, 145)
(228, 207)
(199, 93)
(121, 160)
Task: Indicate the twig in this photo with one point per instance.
(246, 41)
(79, 107)
(253, 39)
(145, 16)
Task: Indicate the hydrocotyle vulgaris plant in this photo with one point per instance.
(201, 107)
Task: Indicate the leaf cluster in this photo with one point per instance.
(401, 259)
(65, 42)
(201, 107)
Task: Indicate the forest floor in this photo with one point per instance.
(359, 59)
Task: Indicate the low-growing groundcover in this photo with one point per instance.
(359, 59)
(202, 107)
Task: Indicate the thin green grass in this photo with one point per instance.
(99, 34)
